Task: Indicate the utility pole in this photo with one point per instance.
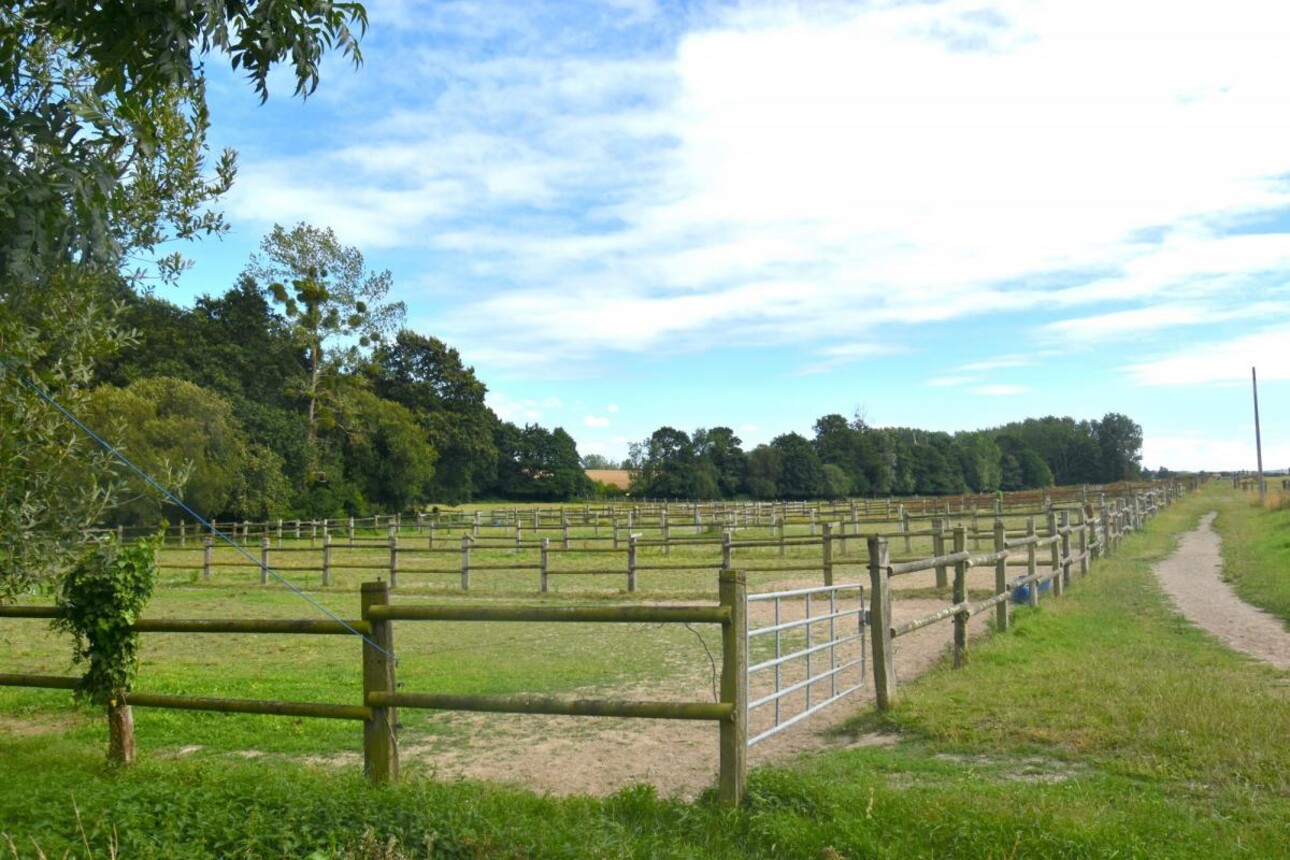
(1258, 441)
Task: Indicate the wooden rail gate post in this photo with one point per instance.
(380, 738)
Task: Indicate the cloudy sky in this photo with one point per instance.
(949, 215)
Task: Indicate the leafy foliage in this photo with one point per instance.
(100, 598)
(103, 158)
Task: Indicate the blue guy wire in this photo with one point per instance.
(175, 500)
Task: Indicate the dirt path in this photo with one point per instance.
(571, 755)
(1192, 577)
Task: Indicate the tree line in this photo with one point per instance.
(299, 393)
(850, 458)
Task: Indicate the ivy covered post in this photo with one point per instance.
(100, 599)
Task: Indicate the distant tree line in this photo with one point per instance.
(850, 458)
(299, 393)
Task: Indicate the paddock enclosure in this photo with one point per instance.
(747, 619)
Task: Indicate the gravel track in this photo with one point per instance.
(1192, 577)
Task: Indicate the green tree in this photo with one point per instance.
(662, 465)
(102, 159)
(386, 452)
(428, 377)
(185, 435)
(1119, 440)
(719, 448)
(981, 461)
(764, 470)
(801, 475)
(337, 309)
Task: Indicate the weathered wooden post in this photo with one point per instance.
(698, 520)
(726, 550)
(904, 527)
(208, 550)
(474, 527)
(545, 570)
(884, 670)
(667, 532)
(183, 533)
(1000, 576)
(349, 529)
(826, 551)
(465, 562)
(938, 551)
(519, 535)
(733, 591)
(960, 596)
(631, 562)
(279, 531)
(380, 731)
(1032, 567)
(326, 565)
(564, 530)
(1055, 551)
(1066, 548)
(264, 560)
(1083, 544)
(394, 559)
(120, 720)
(780, 523)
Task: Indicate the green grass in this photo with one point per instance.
(1256, 548)
(1102, 725)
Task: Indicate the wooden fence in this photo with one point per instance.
(819, 547)
(1073, 540)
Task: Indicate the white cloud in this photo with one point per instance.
(948, 381)
(612, 408)
(596, 421)
(809, 173)
(1220, 362)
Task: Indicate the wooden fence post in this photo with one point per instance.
(542, 582)
(326, 565)
(904, 527)
(1054, 555)
(726, 550)
(1000, 577)
(631, 562)
(394, 560)
(780, 522)
(564, 529)
(380, 733)
(1032, 567)
(465, 562)
(1066, 548)
(884, 670)
(120, 732)
(208, 549)
(519, 534)
(667, 533)
(183, 533)
(938, 550)
(1083, 544)
(960, 595)
(827, 553)
(264, 560)
(734, 689)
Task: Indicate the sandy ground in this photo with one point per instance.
(572, 755)
(1192, 577)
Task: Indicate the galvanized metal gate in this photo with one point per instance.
(811, 654)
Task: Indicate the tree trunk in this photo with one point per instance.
(120, 734)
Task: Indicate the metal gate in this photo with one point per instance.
(812, 654)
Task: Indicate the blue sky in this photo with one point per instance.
(950, 215)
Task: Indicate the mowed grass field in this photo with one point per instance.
(1102, 725)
